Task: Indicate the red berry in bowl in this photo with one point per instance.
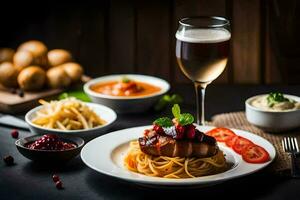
(55, 178)
(59, 185)
(14, 133)
(9, 160)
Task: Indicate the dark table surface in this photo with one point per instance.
(28, 180)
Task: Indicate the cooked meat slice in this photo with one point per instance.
(159, 145)
(167, 148)
(149, 146)
(183, 149)
(204, 150)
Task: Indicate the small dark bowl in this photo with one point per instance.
(50, 156)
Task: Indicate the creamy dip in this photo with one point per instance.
(263, 103)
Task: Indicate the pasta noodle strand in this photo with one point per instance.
(168, 167)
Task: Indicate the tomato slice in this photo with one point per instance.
(255, 154)
(221, 134)
(231, 141)
(240, 144)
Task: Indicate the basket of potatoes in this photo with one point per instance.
(32, 67)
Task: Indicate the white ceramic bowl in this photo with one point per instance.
(104, 112)
(273, 121)
(127, 104)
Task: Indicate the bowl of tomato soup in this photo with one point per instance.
(126, 93)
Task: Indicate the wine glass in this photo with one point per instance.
(202, 49)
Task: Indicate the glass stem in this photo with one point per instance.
(200, 97)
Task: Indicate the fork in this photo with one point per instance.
(290, 146)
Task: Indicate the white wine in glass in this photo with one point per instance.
(202, 49)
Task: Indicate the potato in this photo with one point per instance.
(8, 75)
(38, 50)
(58, 56)
(58, 78)
(6, 54)
(74, 70)
(32, 78)
(22, 59)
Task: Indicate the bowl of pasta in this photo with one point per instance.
(70, 117)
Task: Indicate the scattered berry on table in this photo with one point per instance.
(14, 133)
(55, 178)
(9, 160)
(59, 185)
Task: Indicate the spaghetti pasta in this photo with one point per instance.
(169, 167)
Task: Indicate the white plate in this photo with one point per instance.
(105, 154)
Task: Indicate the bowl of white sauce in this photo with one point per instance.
(274, 112)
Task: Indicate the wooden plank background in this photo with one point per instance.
(138, 36)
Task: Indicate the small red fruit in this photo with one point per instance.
(55, 178)
(180, 128)
(179, 135)
(59, 185)
(190, 132)
(180, 131)
(158, 129)
(9, 160)
(14, 133)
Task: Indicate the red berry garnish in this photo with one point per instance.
(59, 185)
(158, 129)
(180, 129)
(14, 133)
(55, 178)
(190, 131)
(9, 160)
(179, 135)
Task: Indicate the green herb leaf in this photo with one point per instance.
(125, 79)
(275, 97)
(185, 119)
(163, 122)
(176, 99)
(168, 100)
(78, 94)
(162, 102)
(176, 111)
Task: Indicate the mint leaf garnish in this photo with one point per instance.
(176, 111)
(185, 119)
(163, 122)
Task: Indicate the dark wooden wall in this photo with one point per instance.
(137, 36)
